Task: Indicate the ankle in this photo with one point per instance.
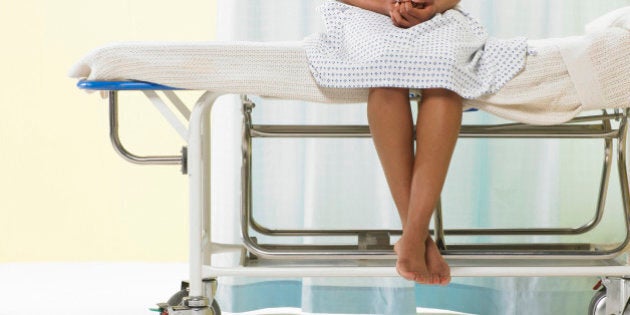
(419, 233)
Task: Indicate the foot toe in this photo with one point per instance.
(438, 280)
(423, 279)
(445, 280)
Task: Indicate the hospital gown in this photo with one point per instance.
(363, 49)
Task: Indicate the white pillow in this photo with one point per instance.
(617, 18)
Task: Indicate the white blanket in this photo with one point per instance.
(563, 78)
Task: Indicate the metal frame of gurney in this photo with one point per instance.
(372, 256)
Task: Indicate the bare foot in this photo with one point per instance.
(436, 264)
(411, 264)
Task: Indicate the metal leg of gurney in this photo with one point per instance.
(615, 298)
(199, 174)
(195, 160)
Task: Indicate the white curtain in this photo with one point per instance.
(339, 183)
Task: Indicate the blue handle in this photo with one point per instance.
(121, 86)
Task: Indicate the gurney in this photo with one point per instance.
(564, 82)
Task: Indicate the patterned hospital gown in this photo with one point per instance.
(362, 49)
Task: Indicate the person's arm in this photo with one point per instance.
(378, 6)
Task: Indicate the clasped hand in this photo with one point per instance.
(408, 13)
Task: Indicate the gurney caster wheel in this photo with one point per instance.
(598, 303)
(178, 300)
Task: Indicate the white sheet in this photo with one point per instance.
(546, 92)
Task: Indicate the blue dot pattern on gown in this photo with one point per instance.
(362, 49)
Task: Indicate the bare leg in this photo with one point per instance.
(391, 126)
(439, 121)
(392, 130)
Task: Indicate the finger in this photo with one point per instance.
(397, 19)
(408, 12)
(400, 8)
(408, 19)
(422, 3)
(405, 7)
(421, 15)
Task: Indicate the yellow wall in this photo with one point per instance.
(64, 194)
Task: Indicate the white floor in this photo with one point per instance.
(97, 289)
(86, 288)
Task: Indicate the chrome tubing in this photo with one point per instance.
(313, 232)
(246, 170)
(472, 251)
(543, 251)
(604, 129)
(122, 151)
(605, 179)
(623, 174)
(438, 223)
(468, 131)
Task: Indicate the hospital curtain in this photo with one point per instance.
(339, 183)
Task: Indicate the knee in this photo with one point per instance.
(387, 97)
